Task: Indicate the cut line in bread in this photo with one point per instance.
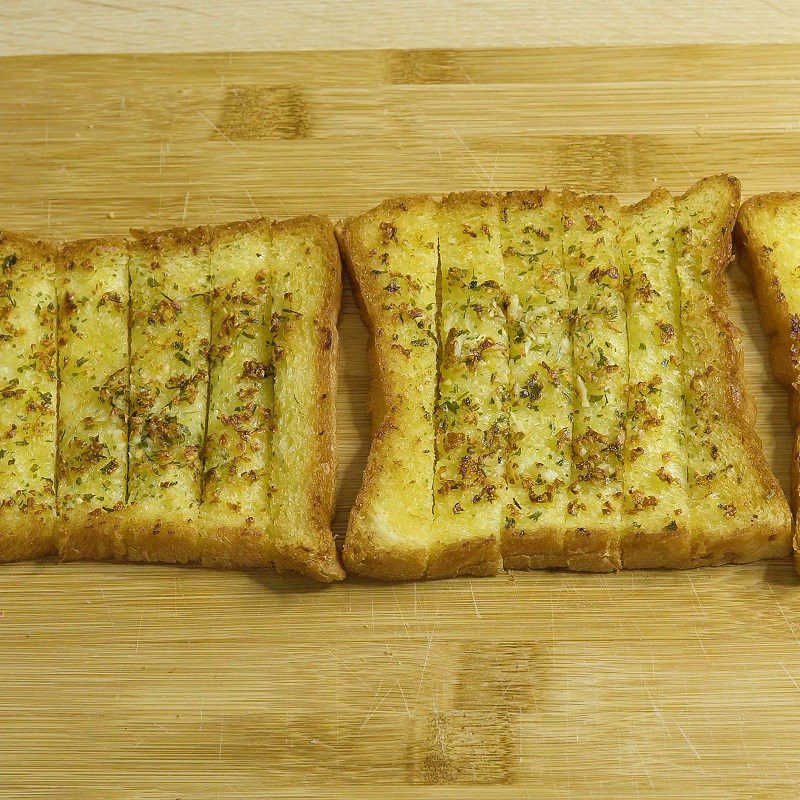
(620, 432)
(192, 393)
(768, 248)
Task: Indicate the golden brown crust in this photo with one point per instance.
(534, 548)
(779, 320)
(364, 553)
(90, 536)
(762, 539)
(26, 535)
(29, 246)
(27, 523)
(314, 554)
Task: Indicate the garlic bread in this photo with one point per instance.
(738, 511)
(598, 331)
(391, 254)
(584, 407)
(28, 397)
(92, 283)
(768, 239)
(539, 450)
(170, 338)
(471, 417)
(655, 502)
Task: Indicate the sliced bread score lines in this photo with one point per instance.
(135, 331)
(631, 430)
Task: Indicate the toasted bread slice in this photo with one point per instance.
(471, 422)
(593, 263)
(195, 408)
(655, 501)
(93, 397)
(235, 525)
(391, 253)
(28, 386)
(607, 412)
(539, 459)
(768, 239)
(269, 460)
(307, 292)
(738, 511)
(169, 343)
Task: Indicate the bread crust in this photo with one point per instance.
(761, 540)
(780, 322)
(150, 533)
(364, 553)
(381, 557)
(26, 535)
(314, 554)
(28, 522)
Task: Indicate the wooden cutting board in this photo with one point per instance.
(164, 683)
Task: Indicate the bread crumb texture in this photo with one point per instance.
(147, 385)
(557, 385)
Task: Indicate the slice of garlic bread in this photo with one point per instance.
(235, 525)
(768, 239)
(28, 386)
(171, 397)
(539, 457)
(593, 263)
(169, 343)
(92, 287)
(471, 417)
(391, 255)
(431, 501)
(605, 408)
(306, 296)
(738, 511)
(655, 502)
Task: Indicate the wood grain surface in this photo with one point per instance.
(157, 26)
(164, 683)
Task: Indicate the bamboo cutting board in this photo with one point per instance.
(165, 683)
